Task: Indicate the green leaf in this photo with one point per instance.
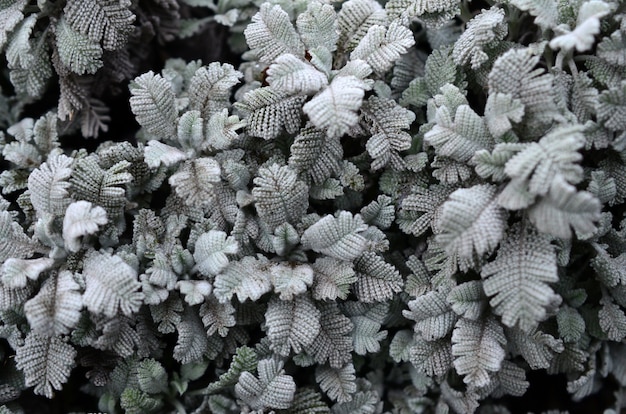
(77, 51)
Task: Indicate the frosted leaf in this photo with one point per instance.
(280, 196)
(290, 281)
(210, 88)
(16, 272)
(221, 130)
(460, 137)
(248, 278)
(335, 108)
(49, 185)
(471, 222)
(10, 16)
(338, 383)
(433, 316)
(500, 110)
(46, 362)
(271, 34)
(109, 21)
(482, 31)
(81, 219)
(433, 358)
(382, 46)
(565, 208)
(272, 389)
(210, 252)
(333, 344)
(317, 26)
(468, 299)
(517, 280)
(194, 291)
(293, 75)
(291, 325)
(313, 153)
(194, 181)
(337, 237)
(217, 317)
(587, 26)
(478, 350)
(81, 54)
(111, 285)
(332, 278)
(152, 102)
(545, 11)
(377, 280)
(355, 18)
(156, 154)
(55, 310)
(611, 107)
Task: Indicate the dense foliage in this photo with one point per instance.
(347, 207)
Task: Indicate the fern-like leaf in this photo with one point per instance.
(111, 285)
(109, 21)
(48, 185)
(46, 362)
(517, 280)
(382, 46)
(338, 383)
(272, 389)
(56, 307)
(292, 325)
(153, 103)
(471, 221)
(210, 88)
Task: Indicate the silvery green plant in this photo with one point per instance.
(386, 208)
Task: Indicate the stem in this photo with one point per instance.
(180, 409)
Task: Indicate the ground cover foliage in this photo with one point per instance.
(410, 206)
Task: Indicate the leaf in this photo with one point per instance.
(537, 348)
(280, 196)
(611, 107)
(192, 341)
(367, 320)
(478, 349)
(500, 110)
(317, 26)
(248, 278)
(587, 26)
(354, 20)
(151, 376)
(483, 31)
(292, 325)
(339, 384)
(316, 155)
(471, 222)
(421, 208)
(153, 103)
(244, 360)
(382, 46)
(291, 74)
(335, 108)
(333, 344)
(55, 310)
(81, 218)
(156, 153)
(389, 123)
(289, 280)
(194, 291)
(570, 323)
(16, 272)
(210, 252)
(459, 138)
(612, 320)
(272, 389)
(565, 208)
(48, 185)
(545, 11)
(270, 34)
(109, 21)
(433, 358)
(13, 242)
(217, 317)
(269, 111)
(433, 316)
(10, 16)
(517, 280)
(194, 181)
(111, 285)
(81, 54)
(332, 278)
(468, 299)
(46, 362)
(210, 88)
(337, 237)
(377, 280)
